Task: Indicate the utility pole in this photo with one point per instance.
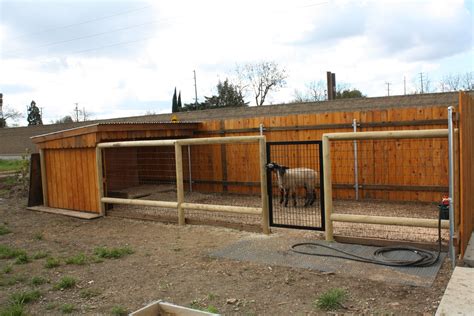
(195, 90)
(84, 113)
(404, 85)
(77, 112)
(388, 88)
(421, 81)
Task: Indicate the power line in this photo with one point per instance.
(89, 36)
(83, 22)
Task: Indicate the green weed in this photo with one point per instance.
(13, 310)
(22, 259)
(68, 308)
(119, 311)
(52, 262)
(4, 230)
(40, 255)
(212, 309)
(9, 253)
(10, 165)
(89, 293)
(331, 299)
(65, 283)
(7, 269)
(38, 236)
(113, 253)
(51, 306)
(37, 280)
(12, 281)
(79, 259)
(22, 298)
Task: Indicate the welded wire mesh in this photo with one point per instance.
(295, 186)
(395, 177)
(212, 174)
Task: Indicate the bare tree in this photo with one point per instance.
(468, 81)
(9, 114)
(262, 78)
(314, 91)
(451, 82)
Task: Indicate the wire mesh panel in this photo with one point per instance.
(395, 178)
(217, 174)
(295, 184)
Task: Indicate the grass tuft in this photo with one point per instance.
(22, 298)
(7, 269)
(38, 236)
(10, 164)
(79, 259)
(68, 308)
(13, 310)
(4, 230)
(89, 293)
(52, 262)
(119, 311)
(331, 299)
(37, 280)
(22, 259)
(9, 253)
(66, 282)
(40, 255)
(112, 253)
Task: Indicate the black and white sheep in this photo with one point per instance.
(289, 179)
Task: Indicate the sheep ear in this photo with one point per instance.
(282, 171)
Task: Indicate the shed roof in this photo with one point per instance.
(120, 130)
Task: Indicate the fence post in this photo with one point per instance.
(100, 179)
(179, 182)
(263, 186)
(327, 188)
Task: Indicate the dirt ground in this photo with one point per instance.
(171, 263)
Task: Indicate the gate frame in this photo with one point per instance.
(321, 185)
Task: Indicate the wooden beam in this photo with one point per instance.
(427, 133)
(100, 180)
(388, 220)
(166, 204)
(179, 183)
(263, 186)
(223, 208)
(328, 206)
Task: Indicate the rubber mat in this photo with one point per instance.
(275, 250)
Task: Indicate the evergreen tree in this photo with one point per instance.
(180, 106)
(34, 115)
(174, 107)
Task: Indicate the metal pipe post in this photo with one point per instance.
(356, 163)
(452, 254)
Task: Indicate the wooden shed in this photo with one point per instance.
(69, 164)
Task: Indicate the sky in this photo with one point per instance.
(125, 58)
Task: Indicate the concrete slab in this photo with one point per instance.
(469, 254)
(275, 250)
(458, 299)
(60, 211)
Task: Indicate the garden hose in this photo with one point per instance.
(424, 258)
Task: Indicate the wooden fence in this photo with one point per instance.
(466, 148)
(397, 183)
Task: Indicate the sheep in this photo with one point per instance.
(289, 179)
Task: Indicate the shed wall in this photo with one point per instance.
(71, 179)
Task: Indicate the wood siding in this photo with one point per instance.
(466, 148)
(71, 179)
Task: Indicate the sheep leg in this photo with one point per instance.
(282, 195)
(306, 197)
(293, 195)
(287, 193)
(313, 196)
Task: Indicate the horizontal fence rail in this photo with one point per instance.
(175, 152)
(330, 217)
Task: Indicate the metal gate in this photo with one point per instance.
(295, 184)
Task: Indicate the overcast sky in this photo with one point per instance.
(124, 58)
